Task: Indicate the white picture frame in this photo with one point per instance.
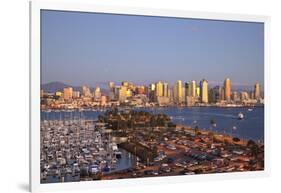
(36, 6)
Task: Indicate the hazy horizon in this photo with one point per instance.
(92, 49)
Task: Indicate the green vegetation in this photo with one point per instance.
(123, 120)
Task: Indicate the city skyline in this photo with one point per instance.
(156, 48)
(159, 93)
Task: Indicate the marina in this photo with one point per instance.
(73, 150)
(98, 145)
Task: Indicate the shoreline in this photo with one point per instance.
(219, 136)
(150, 107)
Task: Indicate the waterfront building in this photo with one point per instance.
(215, 94)
(252, 95)
(198, 91)
(222, 97)
(103, 100)
(159, 89)
(190, 101)
(76, 94)
(41, 93)
(67, 93)
(227, 89)
(187, 89)
(152, 92)
(97, 93)
(170, 94)
(204, 91)
(140, 90)
(178, 91)
(111, 94)
(165, 89)
(86, 91)
(244, 96)
(235, 96)
(122, 93)
(146, 90)
(257, 91)
(163, 101)
(193, 88)
(129, 93)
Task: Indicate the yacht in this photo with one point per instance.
(240, 116)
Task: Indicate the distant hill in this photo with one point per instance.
(59, 86)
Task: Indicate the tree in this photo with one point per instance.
(251, 143)
(235, 139)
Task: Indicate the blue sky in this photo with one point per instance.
(91, 49)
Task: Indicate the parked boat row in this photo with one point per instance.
(76, 149)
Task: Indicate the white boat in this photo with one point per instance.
(240, 116)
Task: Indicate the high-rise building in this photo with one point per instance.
(215, 94)
(97, 93)
(86, 91)
(111, 85)
(159, 89)
(165, 89)
(234, 96)
(140, 90)
(111, 94)
(193, 88)
(125, 83)
(222, 93)
(198, 91)
(190, 101)
(204, 91)
(67, 93)
(122, 94)
(178, 91)
(152, 92)
(227, 89)
(187, 89)
(76, 94)
(257, 91)
(244, 96)
(103, 100)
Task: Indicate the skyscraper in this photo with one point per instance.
(193, 88)
(187, 89)
(86, 91)
(97, 93)
(215, 94)
(111, 87)
(198, 91)
(204, 91)
(257, 91)
(159, 89)
(227, 89)
(122, 93)
(178, 91)
(165, 89)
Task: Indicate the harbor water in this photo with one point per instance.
(225, 119)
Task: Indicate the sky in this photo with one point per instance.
(79, 48)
